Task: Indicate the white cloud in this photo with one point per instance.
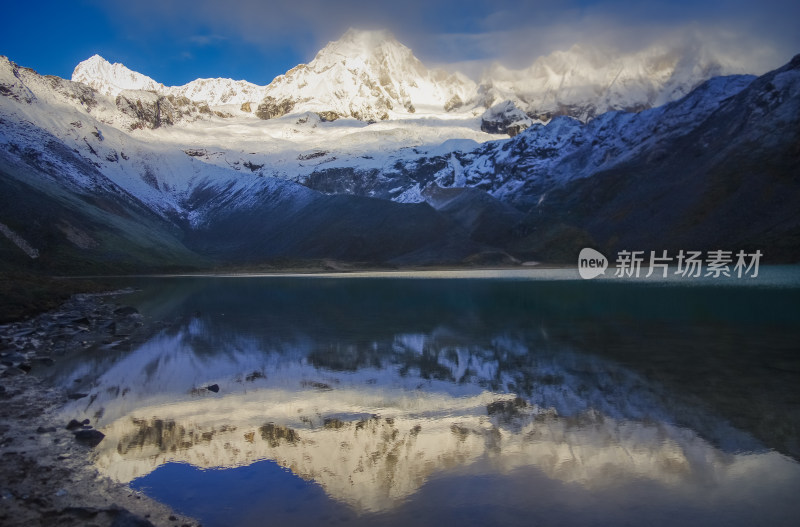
(472, 33)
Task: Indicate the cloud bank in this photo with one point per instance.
(474, 33)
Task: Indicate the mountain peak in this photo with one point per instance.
(96, 60)
(368, 38)
(367, 75)
(111, 79)
(366, 45)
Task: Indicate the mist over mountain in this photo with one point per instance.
(369, 75)
(366, 155)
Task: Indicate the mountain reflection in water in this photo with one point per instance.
(403, 396)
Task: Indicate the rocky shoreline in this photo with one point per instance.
(46, 473)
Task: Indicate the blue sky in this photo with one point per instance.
(176, 41)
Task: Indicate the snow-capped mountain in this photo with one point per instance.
(112, 79)
(210, 166)
(219, 92)
(119, 192)
(368, 75)
(584, 82)
(702, 158)
(522, 170)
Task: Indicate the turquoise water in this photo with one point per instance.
(478, 398)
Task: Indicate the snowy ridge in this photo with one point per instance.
(370, 76)
(523, 169)
(168, 165)
(163, 166)
(366, 74)
(194, 166)
(219, 92)
(297, 146)
(586, 82)
(567, 149)
(111, 79)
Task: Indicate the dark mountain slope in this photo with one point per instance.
(95, 230)
(311, 225)
(731, 183)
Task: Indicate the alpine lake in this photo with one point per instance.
(512, 397)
